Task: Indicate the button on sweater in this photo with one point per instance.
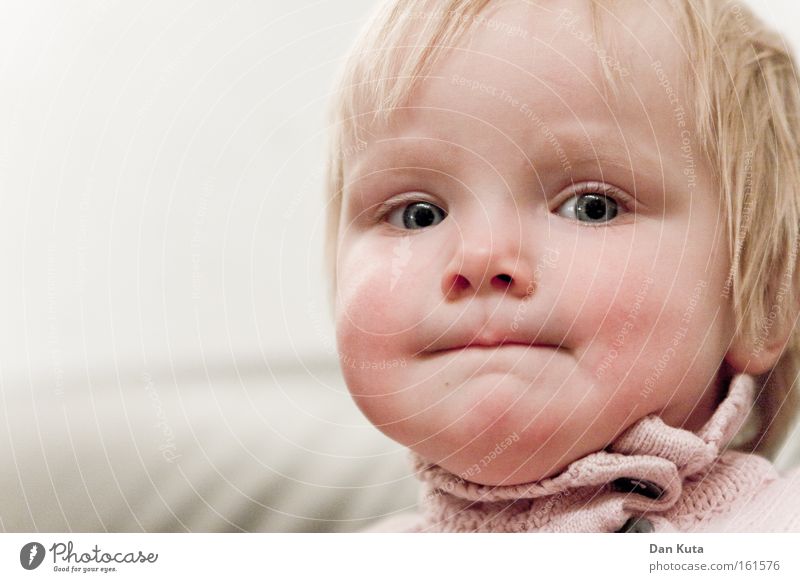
(653, 477)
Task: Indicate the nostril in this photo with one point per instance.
(501, 282)
(459, 283)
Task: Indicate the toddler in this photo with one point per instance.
(562, 240)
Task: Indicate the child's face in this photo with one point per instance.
(502, 140)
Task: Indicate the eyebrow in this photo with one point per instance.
(590, 145)
(570, 150)
(408, 148)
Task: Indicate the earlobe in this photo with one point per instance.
(745, 359)
(759, 354)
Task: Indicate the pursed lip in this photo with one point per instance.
(485, 345)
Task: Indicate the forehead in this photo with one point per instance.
(533, 73)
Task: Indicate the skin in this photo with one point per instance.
(499, 137)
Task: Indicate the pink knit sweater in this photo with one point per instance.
(652, 478)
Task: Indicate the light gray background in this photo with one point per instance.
(161, 174)
(161, 226)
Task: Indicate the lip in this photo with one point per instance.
(485, 346)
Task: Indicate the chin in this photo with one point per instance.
(509, 459)
(510, 471)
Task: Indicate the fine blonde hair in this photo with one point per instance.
(746, 110)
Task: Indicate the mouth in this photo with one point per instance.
(477, 345)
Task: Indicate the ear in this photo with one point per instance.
(759, 354)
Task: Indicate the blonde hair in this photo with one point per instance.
(747, 111)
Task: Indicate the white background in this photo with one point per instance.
(161, 183)
(398, 557)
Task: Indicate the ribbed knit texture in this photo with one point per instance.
(702, 488)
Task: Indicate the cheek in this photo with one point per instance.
(385, 289)
(619, 310)
(368, 297)
(656, 326)
(610, 298)
(368, 334)
(631, 311)
(377, 315)
(367, 320)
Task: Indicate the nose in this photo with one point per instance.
(489, 265)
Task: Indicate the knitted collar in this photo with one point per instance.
(650, 458)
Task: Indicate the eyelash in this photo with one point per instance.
(384, 209)
(628, 203)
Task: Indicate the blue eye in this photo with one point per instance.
(591, 204)
(416, 215)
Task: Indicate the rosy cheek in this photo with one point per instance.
(389, 285)
(619, 315)
(371, 320)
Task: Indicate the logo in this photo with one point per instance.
(31, 555)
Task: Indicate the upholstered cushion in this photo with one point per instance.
(149, 451)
